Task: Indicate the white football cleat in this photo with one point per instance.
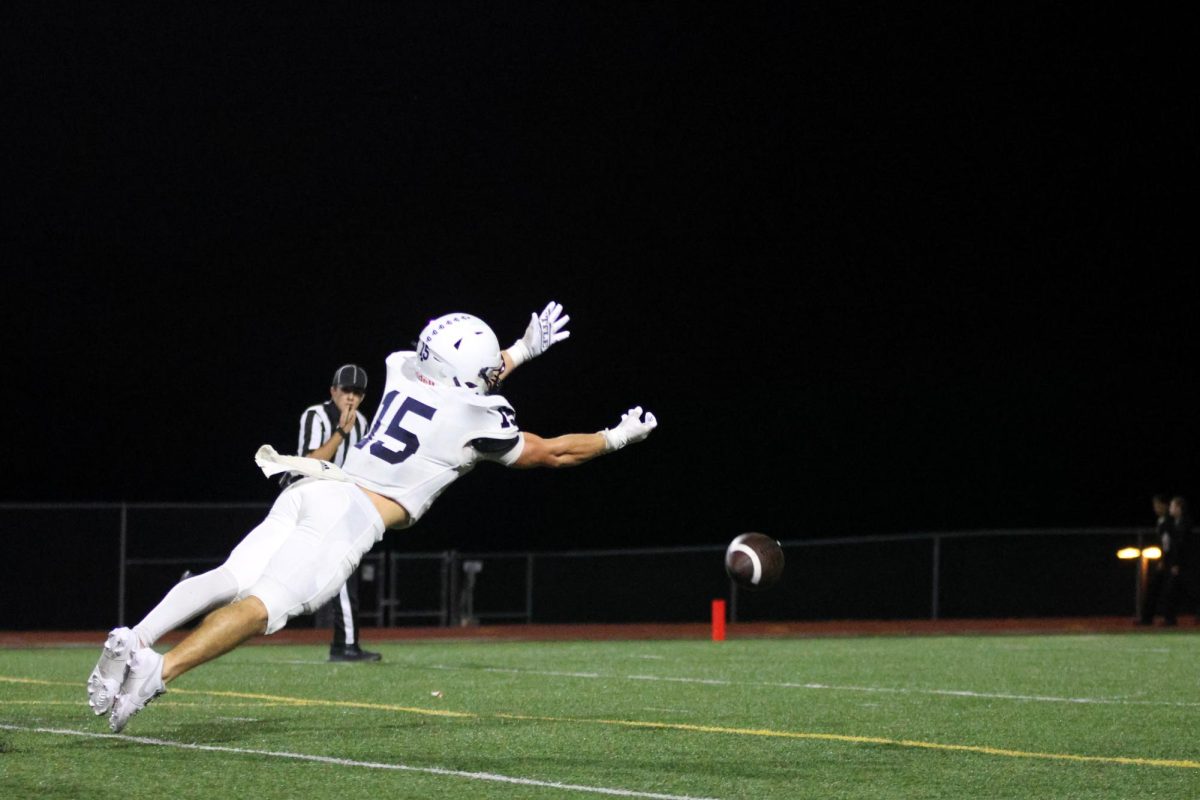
(109, 674)
(142, 684)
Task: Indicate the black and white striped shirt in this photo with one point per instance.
(317, 424)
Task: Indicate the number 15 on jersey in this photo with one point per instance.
(395, 443)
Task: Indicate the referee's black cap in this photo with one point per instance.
(350, 375)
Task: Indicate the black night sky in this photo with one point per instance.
(875, 268)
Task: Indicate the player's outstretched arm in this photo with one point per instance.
(544, 331)
(573, 449)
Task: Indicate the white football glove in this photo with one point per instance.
(544, 330)
(630, 430)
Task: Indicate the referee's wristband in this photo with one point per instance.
(342, 432)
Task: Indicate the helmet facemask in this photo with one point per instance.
(490, 377)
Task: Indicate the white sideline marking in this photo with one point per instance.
(345, 762)
(705, 681)
(831, 687)
(988, 695)
(516, 671)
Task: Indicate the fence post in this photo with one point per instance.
(391, 588)
(121, 548)
(937, 570)
(453, 604)
(1139, 582)
(528, 588)
(445, 599)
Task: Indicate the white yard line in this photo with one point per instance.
(1118, 701)
(828, 687)
(345, 762)
(517, 671)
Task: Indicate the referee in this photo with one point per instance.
(327, 431)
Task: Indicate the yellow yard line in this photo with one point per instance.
(302, 701)
(677, 726)
(159, 703)
(840, 737)
(34, 681)
(279, 699)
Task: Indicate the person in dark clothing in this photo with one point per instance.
(1185, 553)
(1169, 576)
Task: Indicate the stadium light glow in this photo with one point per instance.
(1127, 553)
(1151, 552)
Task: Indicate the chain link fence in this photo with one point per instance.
(89, 565)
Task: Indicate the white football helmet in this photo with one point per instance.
(460, 350)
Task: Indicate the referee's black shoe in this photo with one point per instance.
(352, 652)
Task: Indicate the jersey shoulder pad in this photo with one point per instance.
(490, 417)
(487, 401)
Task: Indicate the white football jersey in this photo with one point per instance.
(424, 436)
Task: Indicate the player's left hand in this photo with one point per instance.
(544, 331)
(633, 428)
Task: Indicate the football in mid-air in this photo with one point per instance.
(754, 561)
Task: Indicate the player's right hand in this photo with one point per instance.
(632, 428)
(544, 330)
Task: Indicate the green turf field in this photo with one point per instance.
(1104, 716)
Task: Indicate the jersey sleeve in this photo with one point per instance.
(502, 451)
(496, 436)
(313, 431)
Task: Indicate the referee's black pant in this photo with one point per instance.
(345, 612)
(1165, 593)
